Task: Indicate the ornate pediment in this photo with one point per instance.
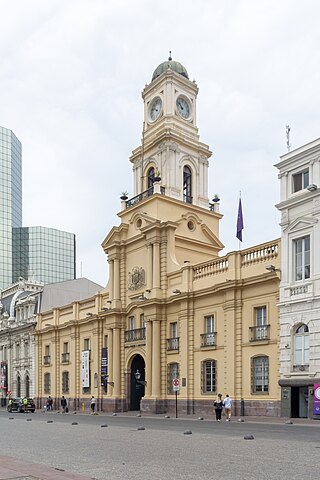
(300, 224)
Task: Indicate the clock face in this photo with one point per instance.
(155, 109)
(183, 107)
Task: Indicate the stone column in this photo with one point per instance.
(116, 362)
(111, 275)
(156, 358)
(149, 267)
(156, 265)
(116, 277)
(148, 358)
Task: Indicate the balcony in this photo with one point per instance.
(208, 339)
(135, 335)
(187, 198)
(258, 333)
(173, 343)
(46, 359)
(138, 198)
(65, 357)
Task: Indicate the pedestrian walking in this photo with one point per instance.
(218, 406)
(93, 404)
(10, 403)
(64, 404)
(25, 404)
(49, 403)
(227, 403)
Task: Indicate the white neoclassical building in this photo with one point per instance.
(300, 279)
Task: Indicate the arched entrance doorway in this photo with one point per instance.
(137, 380)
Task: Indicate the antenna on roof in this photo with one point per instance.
(170, 57)
(288, 137)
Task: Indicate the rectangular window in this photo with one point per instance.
(47, 383)
(260, 329)
(87, 344)
(260, 374)
(142, 321)
(47, 350)
(300, 181)
(209, 324)
(131, 323)
(174, 329)
(65, 347)
(209, 381)
(65, 382)
(302, 258)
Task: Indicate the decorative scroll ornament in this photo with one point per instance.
(136, 278)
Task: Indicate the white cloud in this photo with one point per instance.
(70, 88)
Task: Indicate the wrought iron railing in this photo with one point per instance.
(208, 339)
(187, 198)
(141, 196)
(46, 359)
(66, 357)
(135, 334)
(261, 332)
(173, 343)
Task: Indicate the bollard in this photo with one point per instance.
(82, 407)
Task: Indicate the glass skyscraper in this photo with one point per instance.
(43, 254)
(10, 199)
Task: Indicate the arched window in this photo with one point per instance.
(47, 383)
(27, 386)
(18, 386)
(209, 376)
(187, 185)
(172, 373)
(150, 177)
(301, 345)
(260, 374)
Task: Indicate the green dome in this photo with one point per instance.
(173, 65)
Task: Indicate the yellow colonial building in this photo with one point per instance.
(175, 316)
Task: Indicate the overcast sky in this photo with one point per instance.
(71, 76)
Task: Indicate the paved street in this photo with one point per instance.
(161, 451)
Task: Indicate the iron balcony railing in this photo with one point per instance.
(66, 357)
(46, 359)
(208, 339)
(260, 332)
(135, 334)
(173, 343)
(141, 196)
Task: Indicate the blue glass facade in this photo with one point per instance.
(43, 254)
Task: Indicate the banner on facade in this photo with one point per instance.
(4, 376)
(104, 366)
(316, 398)
(85, 369)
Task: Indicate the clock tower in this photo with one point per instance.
(170, 146)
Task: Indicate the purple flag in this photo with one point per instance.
(240, 225)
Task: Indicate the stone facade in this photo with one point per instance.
(173, 309)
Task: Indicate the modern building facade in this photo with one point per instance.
(299, 173)
(19, 305)
(43, 254)
(174, 313)
(10, 199)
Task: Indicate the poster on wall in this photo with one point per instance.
(104, 366)
(316, 403)
(85, 369)
(4, 376)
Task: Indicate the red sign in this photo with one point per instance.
(176, 384)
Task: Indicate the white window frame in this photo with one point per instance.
(304, 264)
(260, 374)
(305, 180)
(304, 348)
(209, 376)
(209, 323)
